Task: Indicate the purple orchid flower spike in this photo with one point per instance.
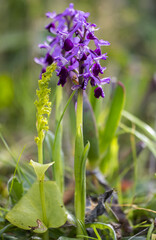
(68, 45)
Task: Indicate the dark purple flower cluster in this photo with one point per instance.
(68, 45)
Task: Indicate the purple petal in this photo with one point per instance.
(62, 81)
(63, 72)
(91, 36)
(104, 43)
(86, 15)
(76, 27)
(74, 66)
(68, 45)
(92, 82)
(42, 71)
(51, 14)
(105, 80)
(50, 26)
(71, 5)
(96, 69)
(75, 87)
(98, 51)
(84, 84)
(83, 57)
(73, 54)
(98, 92)
(39, 61)
(48, 59)
(103, 57)
(45, 45)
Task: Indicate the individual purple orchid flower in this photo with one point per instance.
(67, 45)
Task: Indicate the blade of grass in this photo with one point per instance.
(16, 169)
(19, 170)
(140, 136)
(133, 146)
(150, 230)
(145, 127)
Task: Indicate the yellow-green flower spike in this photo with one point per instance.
(42, 103)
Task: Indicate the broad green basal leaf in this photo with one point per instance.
(27, 213)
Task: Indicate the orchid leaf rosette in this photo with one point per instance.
(68, 45)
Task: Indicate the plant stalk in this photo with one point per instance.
(80, 189)
(40, 149)
(57, 155)
(41, 188)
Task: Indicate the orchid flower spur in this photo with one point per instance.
(68, 45)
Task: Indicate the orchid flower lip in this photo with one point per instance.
(68, 45)
(98, 92)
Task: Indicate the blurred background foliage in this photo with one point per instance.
(128, 24)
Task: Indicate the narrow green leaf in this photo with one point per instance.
(87, 237)
(103, 226)
(66, 238)
(113, 117)
(85, 154)
(40, 169)
(90, 132)
(58, 169)
(140, 136)
(109, 163)
(61, 117)
(150, 230)
(96, 232)
(49, 140)
(15, 189)
(82, 175)
(135, 237)
(27, 213)
(22, 171)
(18, 183)
(145, 127)
(3, 230)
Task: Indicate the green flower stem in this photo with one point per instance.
(80, 189)
(79, 118)
(40, 150)
(41, 188)
(45, 235)
(57, 155)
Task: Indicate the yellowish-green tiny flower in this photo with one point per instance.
(42, 103)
